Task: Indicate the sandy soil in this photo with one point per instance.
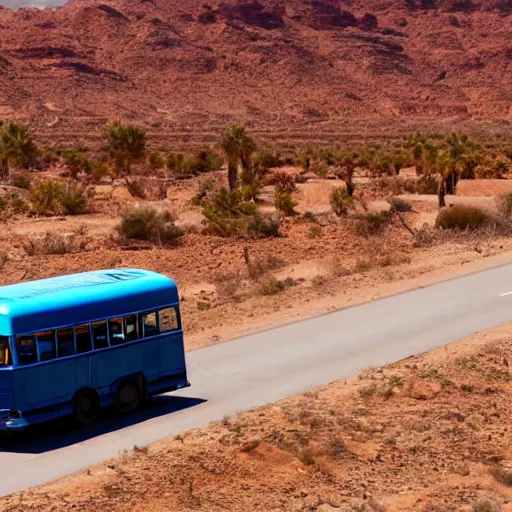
(430, 433)
(329, 264)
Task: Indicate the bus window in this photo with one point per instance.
(99, 330)
(115, 330)
(27, 352)
(149, 325)
(46, 345)
(5, 353)
(83, 339)
(130, 328)
(66, 342)
(168, 320)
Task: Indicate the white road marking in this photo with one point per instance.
(505, 294)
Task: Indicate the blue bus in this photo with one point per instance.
(74, 344)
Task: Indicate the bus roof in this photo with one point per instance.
(77, 298)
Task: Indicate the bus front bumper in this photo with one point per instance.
(10, 422)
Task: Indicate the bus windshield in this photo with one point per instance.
(5, 353)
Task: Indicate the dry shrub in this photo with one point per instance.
(371, 224)
(424, 236)
(400, 205)
(504, 203)
(282, 180)
(54, 243)
(227, 284)
(502, 475)
(462, 217)
(273, 286)
(485, 505)
(427, 185)
(136, 188)
(21, 180)
(258, 268)
(149, 224)
(4, 258)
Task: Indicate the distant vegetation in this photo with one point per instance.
(233, 210)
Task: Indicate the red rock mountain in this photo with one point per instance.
(287, 67)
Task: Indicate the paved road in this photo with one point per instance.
(271, 365)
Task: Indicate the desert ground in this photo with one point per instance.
(430, 433)
(326, 262)
(427, 434)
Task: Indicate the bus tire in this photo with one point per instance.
(128, 396)
(87, 406)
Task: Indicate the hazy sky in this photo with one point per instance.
(15, 4)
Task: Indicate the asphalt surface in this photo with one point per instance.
(268, 366)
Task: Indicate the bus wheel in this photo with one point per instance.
(128, 397)
(87, 406)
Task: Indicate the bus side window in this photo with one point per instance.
(27, 352)
(99, 331)
(130, 328)
(115, 330)
(5, 353)
(83, 339)
(168, 320)
(149, 325)
(66, 342)
(46, 345)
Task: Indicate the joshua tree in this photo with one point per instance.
(347, 162)
(126, 145)
(238, 147)
(17, 148)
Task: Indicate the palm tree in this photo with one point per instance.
(17, 148)
(238, 147)
(126, 145)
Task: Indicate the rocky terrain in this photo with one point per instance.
(295, 70)
(428, 434)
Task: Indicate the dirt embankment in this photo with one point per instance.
(430, 433)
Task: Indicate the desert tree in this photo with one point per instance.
(238, 147)
(126, 145)
(346, 163)
(17, 148)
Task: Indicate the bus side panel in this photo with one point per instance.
(151, 359)
(82, 373)
(66, 375)
(107, 367)
(35, 387)
(171, 354)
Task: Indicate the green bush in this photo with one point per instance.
(19, 206)
(340, 201)
(46, 197)
(201, 162)
(229, 215)
(77, 162)
(155, 161)
(462, 217)
(149, 224)
(284, 202)
(74, 200)
(53, 198)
